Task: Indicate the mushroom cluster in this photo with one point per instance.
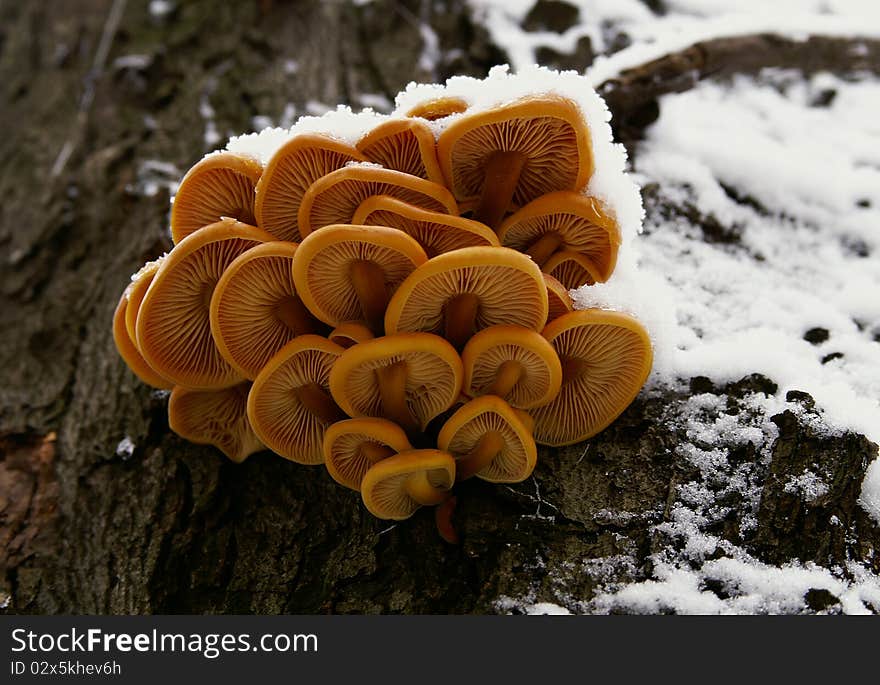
(396, 309)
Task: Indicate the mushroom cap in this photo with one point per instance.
(549, 131)
(255, 310)
(322, 270)
(578, 223)
(464, 430)
(215, 417)
(572, 269)
(558, 300)
(280, 404)
(435, 232)
(334, 198)
(486, 355)
(352, 446)
(136, 291)
(220, 185)
(433, 375)
(173, 324)
(405, 145)
(606, 358)
(384, 486)
(508, 285)
(350, 333)
(125, 345)
(438, 108)
(292, 169)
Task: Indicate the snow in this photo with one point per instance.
(125, 448)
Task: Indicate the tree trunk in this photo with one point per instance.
(104, 108)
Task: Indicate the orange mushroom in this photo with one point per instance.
(396, 487)
(348, 273)
(334, 198)
(516, 153)
(558, 299)
(350, 333)
(293, 168)
(408, 378)
(438, 108)
(514, 363)
(215, 417)
(352, 446)
(488, 440)
(135, 293)
(606, 358)
(465, 291)
(125, 344)
(434, 231)
(564, 221)
(173, 324)
(572, 269)
(405, 145)
(289, 405)
(220, 185)
(255, 309)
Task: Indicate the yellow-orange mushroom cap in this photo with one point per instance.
(434, 231)
(489, 440)
(135, 293)
(294, 167)
(564, 221)
(125, 345)
(513, 154)
(348, 273)
(405, 145)
(334, 198)
(350, 333)
(220, 185)
(572, 269)
(396, 487)
(255, 310)
(215, 417)
(606, 358)
(461, 292)
(173, 324)
(352, 446)
(558, 300)
(516, 364)
(438, 108)
(289, 405)
(408, 378)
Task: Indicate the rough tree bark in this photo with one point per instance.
(90, 97)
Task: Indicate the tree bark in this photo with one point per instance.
(94, 98)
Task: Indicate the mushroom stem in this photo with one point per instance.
(541, 250)
(392, 391)
(420, 489)
(502, 174)
(313, 397)
(443, 520)
(572, 368)
(460, 317)
(293, 314)
(508, 376)
(480, 456)
(368, 280)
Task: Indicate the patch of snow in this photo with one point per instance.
(808, 486)
(125, 448)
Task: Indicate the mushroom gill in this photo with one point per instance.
(215, 417)
(405, 145)
(510, 155)
(173, 324)
(289, 405)
(293, 168)
(558, 299)
(255, 309)
(572, 269)
(334, 198)
(606, 358)
(220, 185)
(352, 446)
(461, 292)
